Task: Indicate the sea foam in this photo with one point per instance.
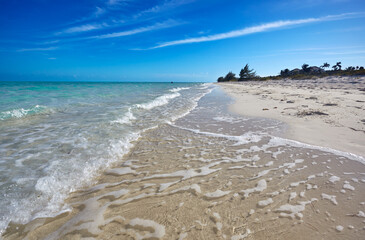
(21, 112)
(159, 101)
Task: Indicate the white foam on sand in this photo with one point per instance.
(277, 141)
(217, 194)
(302, 194)
(339, 228)
(194, 187)
(186, 174)
(361, 214)
(348, 186)
(292, 196)
(293, 211)
(331, 198)
(164, 186)
(248, 137)
(262, 173)
(264, 203)
(121, 171)
(269, 164)
(334, 179)
(261, 186)
(295, 184)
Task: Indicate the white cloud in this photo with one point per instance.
(82, 28)
(36, 49)
(167, 5)
(115, 2)
(345, 53)
(99, 11)
(260, 28)
(156, 26)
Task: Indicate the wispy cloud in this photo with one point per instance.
(157, 26)
(99, 11)
(37, 49)
(48, 42)
(115, 2)
(316, 49)
(166, 5)
(82, 28)
(258, 29)
(345, 53)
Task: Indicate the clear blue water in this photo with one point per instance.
(57, 137)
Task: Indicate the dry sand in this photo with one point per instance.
(328, 112)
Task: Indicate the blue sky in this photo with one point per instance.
(174, 40)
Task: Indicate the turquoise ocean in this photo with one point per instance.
(56, 137)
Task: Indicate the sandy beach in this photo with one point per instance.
(182, 120)
(327, 112)
(213, 174)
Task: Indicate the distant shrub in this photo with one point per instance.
(307, 72)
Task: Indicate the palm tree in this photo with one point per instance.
(325, 65)
(338, 66)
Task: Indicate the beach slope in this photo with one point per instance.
(327, 112)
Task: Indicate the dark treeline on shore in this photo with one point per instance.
(247, 74)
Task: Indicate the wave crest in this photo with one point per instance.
(21, 112)
(159, 101)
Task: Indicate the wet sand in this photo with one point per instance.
(216, 175)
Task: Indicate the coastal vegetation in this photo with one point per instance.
(305, 72)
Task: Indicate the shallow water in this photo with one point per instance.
(211, 174)
(56, 137)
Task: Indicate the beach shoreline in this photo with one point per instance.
(326, 112)
(217, 175)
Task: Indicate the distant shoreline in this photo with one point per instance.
(327, 112)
